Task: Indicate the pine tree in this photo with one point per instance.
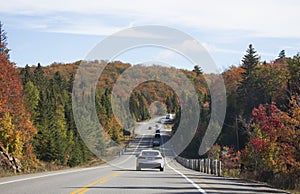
(249, 61)
(3, 42)
(26, 74)
(281, 54)
(175, 103)
(169, 104)
(59, 136)
(198, 70)
(39, 79)
(32, 98)
(143, 111)
(106, 103)
(294, 69)
(246, 89)
(133, 106)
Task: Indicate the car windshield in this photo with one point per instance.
(150, 153)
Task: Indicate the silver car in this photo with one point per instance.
(150, 159)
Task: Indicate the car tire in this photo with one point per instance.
(138, 168)
(161, 168)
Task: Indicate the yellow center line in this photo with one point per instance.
(102, 180)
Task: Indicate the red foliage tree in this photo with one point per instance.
(12, 105)
(274, 142)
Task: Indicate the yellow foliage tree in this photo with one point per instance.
(10, 137)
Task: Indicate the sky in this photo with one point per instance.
(66, 31)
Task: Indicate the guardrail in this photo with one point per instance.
(209, 166)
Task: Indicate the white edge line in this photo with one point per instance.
(184, 176)
(188, 179)
(60, 173)
(52, 174)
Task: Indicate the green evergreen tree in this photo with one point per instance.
(175, 103)
(281, 54)
(50, 102)
(294, 69)
(143, 111)
(59, 136)
(249, 61)
(70, 82)
(3, 42)
(133, 106)
(26, 74)
(247, 91)
(198, 70)
(169, 104)
(76, 154)
(32, 98)
(39, 79)
(106, 103)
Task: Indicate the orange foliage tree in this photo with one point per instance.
(16, 129)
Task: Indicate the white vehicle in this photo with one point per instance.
(170, 116)
(150, 159)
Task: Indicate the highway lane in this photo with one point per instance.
(120, 176)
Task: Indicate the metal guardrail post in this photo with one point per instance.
(216, 167)
(208, 166)
(212, 166)
(219, 168)
(201, 165)
(193, 164)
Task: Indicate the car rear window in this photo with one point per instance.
(150, 153)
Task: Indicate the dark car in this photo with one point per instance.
(156, 140)
(157, 135)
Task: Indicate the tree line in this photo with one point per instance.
(260, 135)
(36, 117)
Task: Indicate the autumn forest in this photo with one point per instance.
(260, 138)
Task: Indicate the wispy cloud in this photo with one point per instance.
(224, 28)
(260, 18)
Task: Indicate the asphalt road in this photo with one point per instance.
(120, 176)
